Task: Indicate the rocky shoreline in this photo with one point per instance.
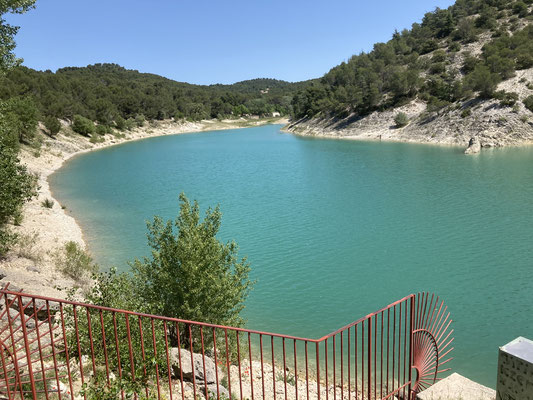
(31, 265)
(486, 122)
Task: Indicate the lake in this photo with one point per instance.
(333, 229)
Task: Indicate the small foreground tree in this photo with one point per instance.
(191, 274)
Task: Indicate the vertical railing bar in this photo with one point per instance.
(6, 375)
(117, 347)
(90, 331)
(67, 355)
(251, 365)
(43, 373)
(51, 331)
(227, 361)
(306, 372)
(284, 367)
(369, 374)
(262, 370)
(189, 328)
(363, 359)
(154, 342)
(412, 316)
(79, 346)
(239, 362)
(404, 348)
(15, 357)
(375, 355)
(388, 343)
(399, 345)
(342, 366)
(326, 356)
(334, 370)
(356, 365)
(130, 349)
(216, 361)
(381, 363)
(273, 367)
(143, 353)
(104, 345)
(203, 362)
(349, 363)
(317, 371)
(295, 371)
(27, 347)
(393, 346)
(165, 328)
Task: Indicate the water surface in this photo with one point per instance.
(333, 229)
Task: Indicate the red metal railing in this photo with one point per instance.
(57, 349)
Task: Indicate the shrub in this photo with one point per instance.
(191, 274)
(401, 119)
(75, 262)
(528, 102)
(120, 123)
(466, 113)
(139, 120)
(101, 129)
(82, 125)
(17, 187)
(47, 203)
(507, 99)
(52, 124)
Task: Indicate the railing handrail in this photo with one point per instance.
(205, 324)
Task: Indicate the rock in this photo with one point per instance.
(33, 269)
(186, 368)
(474, 146)
(212, 390)
(455, 387)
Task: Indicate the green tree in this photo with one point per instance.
(18, 186)
(52, 124)
(22, 115)
(191, 274)
(7, 32)
(483, 81)
(82, 125)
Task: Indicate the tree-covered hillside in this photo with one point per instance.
(453, 55)
(105, 93)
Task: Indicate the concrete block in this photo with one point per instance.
(515, 370)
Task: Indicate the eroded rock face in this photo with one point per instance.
(474, 146)
(187, 367)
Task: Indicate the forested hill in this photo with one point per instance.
(472, 60)
(107, 92)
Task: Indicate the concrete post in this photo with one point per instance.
(515, 370)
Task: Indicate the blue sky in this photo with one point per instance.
(206, 42)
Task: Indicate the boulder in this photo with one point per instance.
(457, 387)
(474, 146)
(187, 369)
(212, 390)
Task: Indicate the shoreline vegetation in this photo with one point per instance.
(47, 227)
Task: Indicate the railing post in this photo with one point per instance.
(27, 348)
(369, 374)
(411, 329)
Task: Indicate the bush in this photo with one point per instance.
(401, 119)
(18, 187)
(75, 262)
(507, 99)
(47, 203)
(22, 116)
(52, 124)
(101, 129)
(83, 126)
(466, 113)
(528, 102)
(120, 123)
(191, 274)
(139, 120)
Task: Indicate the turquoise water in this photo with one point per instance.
(333, 229)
